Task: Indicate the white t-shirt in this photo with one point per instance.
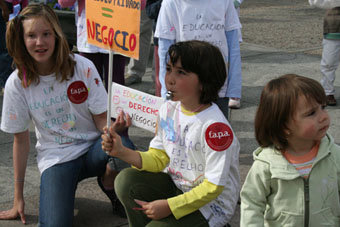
(61, 112)
(183, 20)
(201, 146)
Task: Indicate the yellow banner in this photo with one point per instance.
(114, 24)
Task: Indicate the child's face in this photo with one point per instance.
(39, 40)
(310, 122)
(185, 86)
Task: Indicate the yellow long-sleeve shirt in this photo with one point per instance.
(155, 160)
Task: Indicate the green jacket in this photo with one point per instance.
(274, 194)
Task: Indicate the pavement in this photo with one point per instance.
(290, 42)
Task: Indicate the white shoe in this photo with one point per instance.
(234, 103)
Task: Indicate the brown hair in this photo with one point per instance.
(278, 104)
(203, 59)
(64, 63)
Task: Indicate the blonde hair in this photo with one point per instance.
(27, 71)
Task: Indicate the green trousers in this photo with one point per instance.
(133, 184)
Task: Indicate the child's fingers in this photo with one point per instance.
(105, 129)
(106, 146)
(120, 118)
(128, 120)
(106, 138)
(140, 202)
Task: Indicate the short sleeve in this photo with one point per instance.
(232, 21)
(15, 111)
(221, 146)
(165, 27)
(97, 100)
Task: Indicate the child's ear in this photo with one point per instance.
(287, 132)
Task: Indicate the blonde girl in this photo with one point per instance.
(63, 95)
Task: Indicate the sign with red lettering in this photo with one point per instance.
(77, 92)
(114, 24)
(142, 107)
(219, 136)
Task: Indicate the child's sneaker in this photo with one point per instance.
(234, 103)
(331, 101)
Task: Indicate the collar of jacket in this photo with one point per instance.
(280, 167)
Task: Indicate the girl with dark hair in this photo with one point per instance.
(189, 176)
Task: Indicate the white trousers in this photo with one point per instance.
(329, 63)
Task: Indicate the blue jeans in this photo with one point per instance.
(58, 184)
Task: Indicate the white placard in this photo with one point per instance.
(142, 107)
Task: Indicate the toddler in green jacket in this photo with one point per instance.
(294, 180)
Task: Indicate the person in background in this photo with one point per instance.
(294, 180)
(213, 21)
(330, 52)
(137, 68)
(6, 12)
(237, 4)
(152, 10)
(64, 97)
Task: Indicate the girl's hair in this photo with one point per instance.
(27, 70)
(278, 104)
(203, 59)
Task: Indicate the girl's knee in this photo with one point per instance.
(124, 180)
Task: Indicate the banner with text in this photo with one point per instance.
(114, 24)
(142, 107)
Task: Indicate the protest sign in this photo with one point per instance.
(114, 25)
(142, 107)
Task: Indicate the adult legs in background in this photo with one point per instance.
(133, 184)
(329, 64)
(136, 68)
(222, 103)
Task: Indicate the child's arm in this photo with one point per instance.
(114, 146)
(20, 156)
(254, 192)
(163, 47)
(194, 199)
(100, 121)
(234, 57)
